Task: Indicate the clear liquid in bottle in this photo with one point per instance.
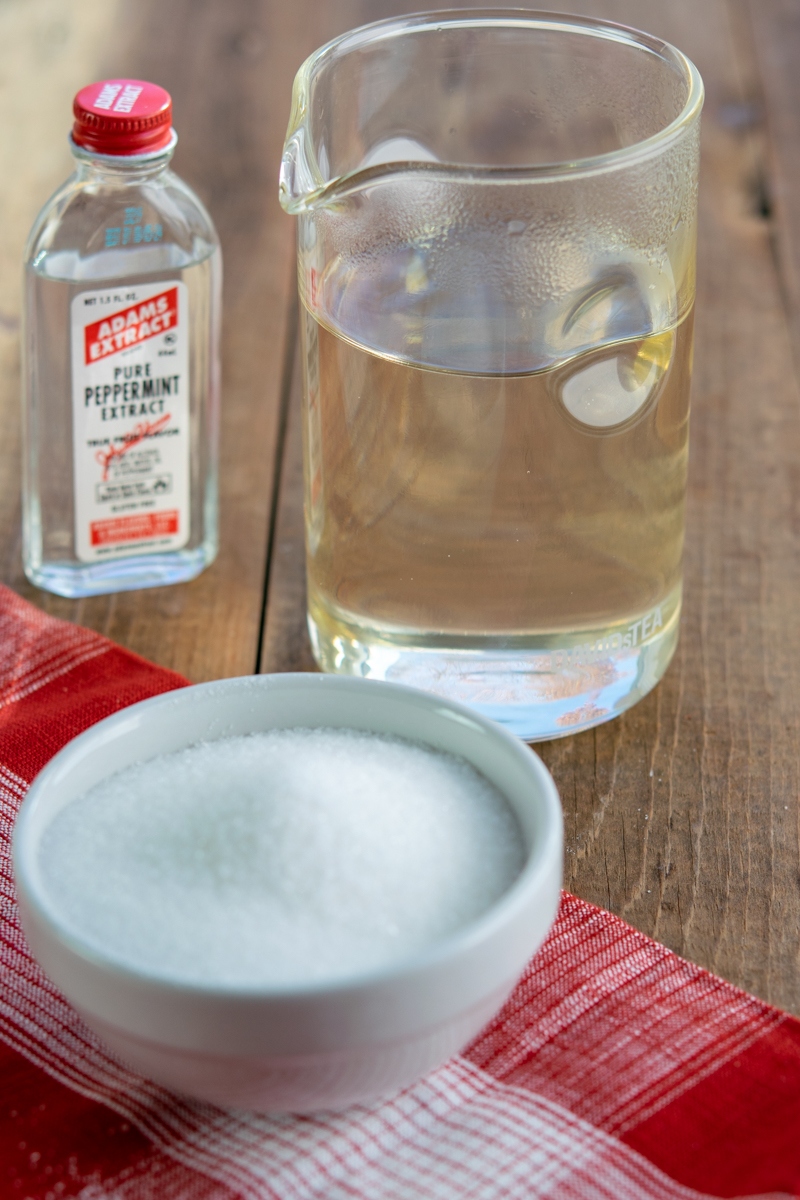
(121, 361)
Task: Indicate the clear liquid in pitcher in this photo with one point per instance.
(511, 539)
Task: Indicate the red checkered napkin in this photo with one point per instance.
(617, 1071)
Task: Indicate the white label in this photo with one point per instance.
(130, 420)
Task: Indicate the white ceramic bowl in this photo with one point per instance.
(322, 1046)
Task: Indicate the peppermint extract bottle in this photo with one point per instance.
(120, 359)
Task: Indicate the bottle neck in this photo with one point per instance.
(121, 169)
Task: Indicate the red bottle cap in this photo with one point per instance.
(122, 116)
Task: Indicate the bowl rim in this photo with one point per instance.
(459, 943)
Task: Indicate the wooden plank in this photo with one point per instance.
(43, 48)
(682, 815)
(229, 68)
(286, 646)
(775, 25)
(713, 869)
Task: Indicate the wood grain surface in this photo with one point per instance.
(682, 815)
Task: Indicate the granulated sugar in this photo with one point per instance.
(281, 857)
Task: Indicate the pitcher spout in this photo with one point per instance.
(299, 184)
(301, 179)
(322, 167)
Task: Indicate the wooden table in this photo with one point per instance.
(683, 815)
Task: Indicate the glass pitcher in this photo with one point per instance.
(496, 249)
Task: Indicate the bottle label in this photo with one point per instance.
(130, 420)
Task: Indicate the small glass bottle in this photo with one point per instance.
(120, 359)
